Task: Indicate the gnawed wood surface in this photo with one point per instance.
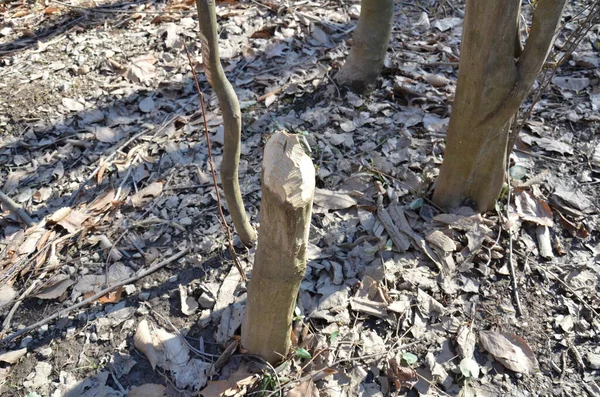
(288, 186)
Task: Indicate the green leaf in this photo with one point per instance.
(333, 335)
(302, 353)
(416, 204)
(409, 358)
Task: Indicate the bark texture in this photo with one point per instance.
(232, 119)
(288, 186)
(370, 43)
(492, 84)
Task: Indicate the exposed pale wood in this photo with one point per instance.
(232, 119)
(288, 186)
(370, 43)
(440, 240)
(491, 87)
(544, 243)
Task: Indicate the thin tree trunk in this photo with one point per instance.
(370, 43)
(232, 119)
(288, 186)
(491, 87)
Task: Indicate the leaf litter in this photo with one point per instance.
(104, 152)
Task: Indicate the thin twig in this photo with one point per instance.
(27, 260)
(570, 45)
(511, 266)
(343, 360)
(96, 296)
(122, 235)
(410, 188)
(576, 355)
(268, 364)
(116, 380)
(339, 94)
(563, 367)
(114, 153)
(16, 209)
(24, 295)
(567, 286)
(222, 219)
(204, 355)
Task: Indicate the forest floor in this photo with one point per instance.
(101, 143)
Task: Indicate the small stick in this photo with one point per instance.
(567, 286)
(576, 355)
(563, 368)
(343, 360)
(96, 296)
(16, 209)
(24, 295)
(589, 389)
(114, 153)
(511, 265)
(513, 275)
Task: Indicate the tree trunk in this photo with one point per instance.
(288, 186)
(491, 87)
(370, 43)
(232, 119)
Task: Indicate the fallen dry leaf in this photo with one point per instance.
(101, 170)
(572, 199)
(73, 105)
(30, 244)
(141, 69)
(54, 287)
(577, 229)
(7, 293)
(13, 356)
(401, 376)
(237, 383)
(112, 296)
(595, 158)
(511, 350)
(533, 209)
(103, 202)
(51, 10)
(68, 218)
(333, 200)
(106, 134)
(145, 195)
(148, 390)
(436, 80)
(142, 340)
(306, 388)
(171, 352)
